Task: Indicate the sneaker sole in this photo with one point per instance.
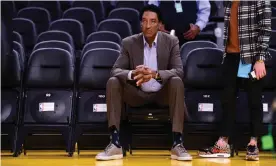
(248, 158)
(174, 157)
(217, 155)
(114, 157)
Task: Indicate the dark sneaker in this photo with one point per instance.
(216, 151)
(180, 153)
(252, 153)
(111, 152)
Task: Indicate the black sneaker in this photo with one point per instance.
(252, 153)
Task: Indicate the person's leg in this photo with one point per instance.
(228, 101)
(116, 95)
(173, 95)
(254, 93)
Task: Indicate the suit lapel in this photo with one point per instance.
(160, 44)
(139, 53)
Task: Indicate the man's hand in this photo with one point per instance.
(192, 33)
(260, 70)
(162, 28)
(145, 74)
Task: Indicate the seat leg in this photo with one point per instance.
(18, 141)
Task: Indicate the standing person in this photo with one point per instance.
(187, 18)
(148, 70)
(247, 28)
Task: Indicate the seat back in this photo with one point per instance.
(27, 29)
(18, 38)
(120, 26)
(13, 74)
(52, 6)
(96, 6)
(73, 27)
(20, 50)
(10, 84)
(85, 16)
(128, 14)
(50, 68)
(189, 46)
(100, 44)
(273, 23)
(138, 5)
(56, 35)
(104, 36)
(273, 39)
(270, 78)
(40, 16)
(95, 67)
(55, 44)
(203, 68)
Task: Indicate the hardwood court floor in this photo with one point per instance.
(139, 158)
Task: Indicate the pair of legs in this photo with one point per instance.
(254, 93)
(171, 94)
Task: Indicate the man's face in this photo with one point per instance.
(150, 24)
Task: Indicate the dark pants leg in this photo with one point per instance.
(171, 94)
(230, 69)
(254, 93)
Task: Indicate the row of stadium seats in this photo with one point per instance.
(52, 93)
(55, 8)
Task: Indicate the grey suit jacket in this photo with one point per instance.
(132, 55)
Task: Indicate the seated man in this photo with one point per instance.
(150, 60)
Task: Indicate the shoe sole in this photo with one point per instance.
(174, 157)
(248, 158)
(217, 155)
(114, 157)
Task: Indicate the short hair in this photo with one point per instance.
(151, 8)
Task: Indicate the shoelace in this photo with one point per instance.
(181, 148)
(109, 146)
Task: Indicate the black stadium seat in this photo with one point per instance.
(273, 39)
(104, 36)
(10, 99)
(100, 44)
(20, 50)
(96, 6)
(26, 28)
(55, 44)
(93, 75)
(189, 46)
(73, 27)
(56, 35)
(120, 26)
(18, 38)
(203, 84)
(49, 95)
(128, 14)
(138, 5)
(40, 16)
(52, 6)
(85, 16)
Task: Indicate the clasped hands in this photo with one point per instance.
(142, 74)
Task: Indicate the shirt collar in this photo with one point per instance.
(154, 42)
